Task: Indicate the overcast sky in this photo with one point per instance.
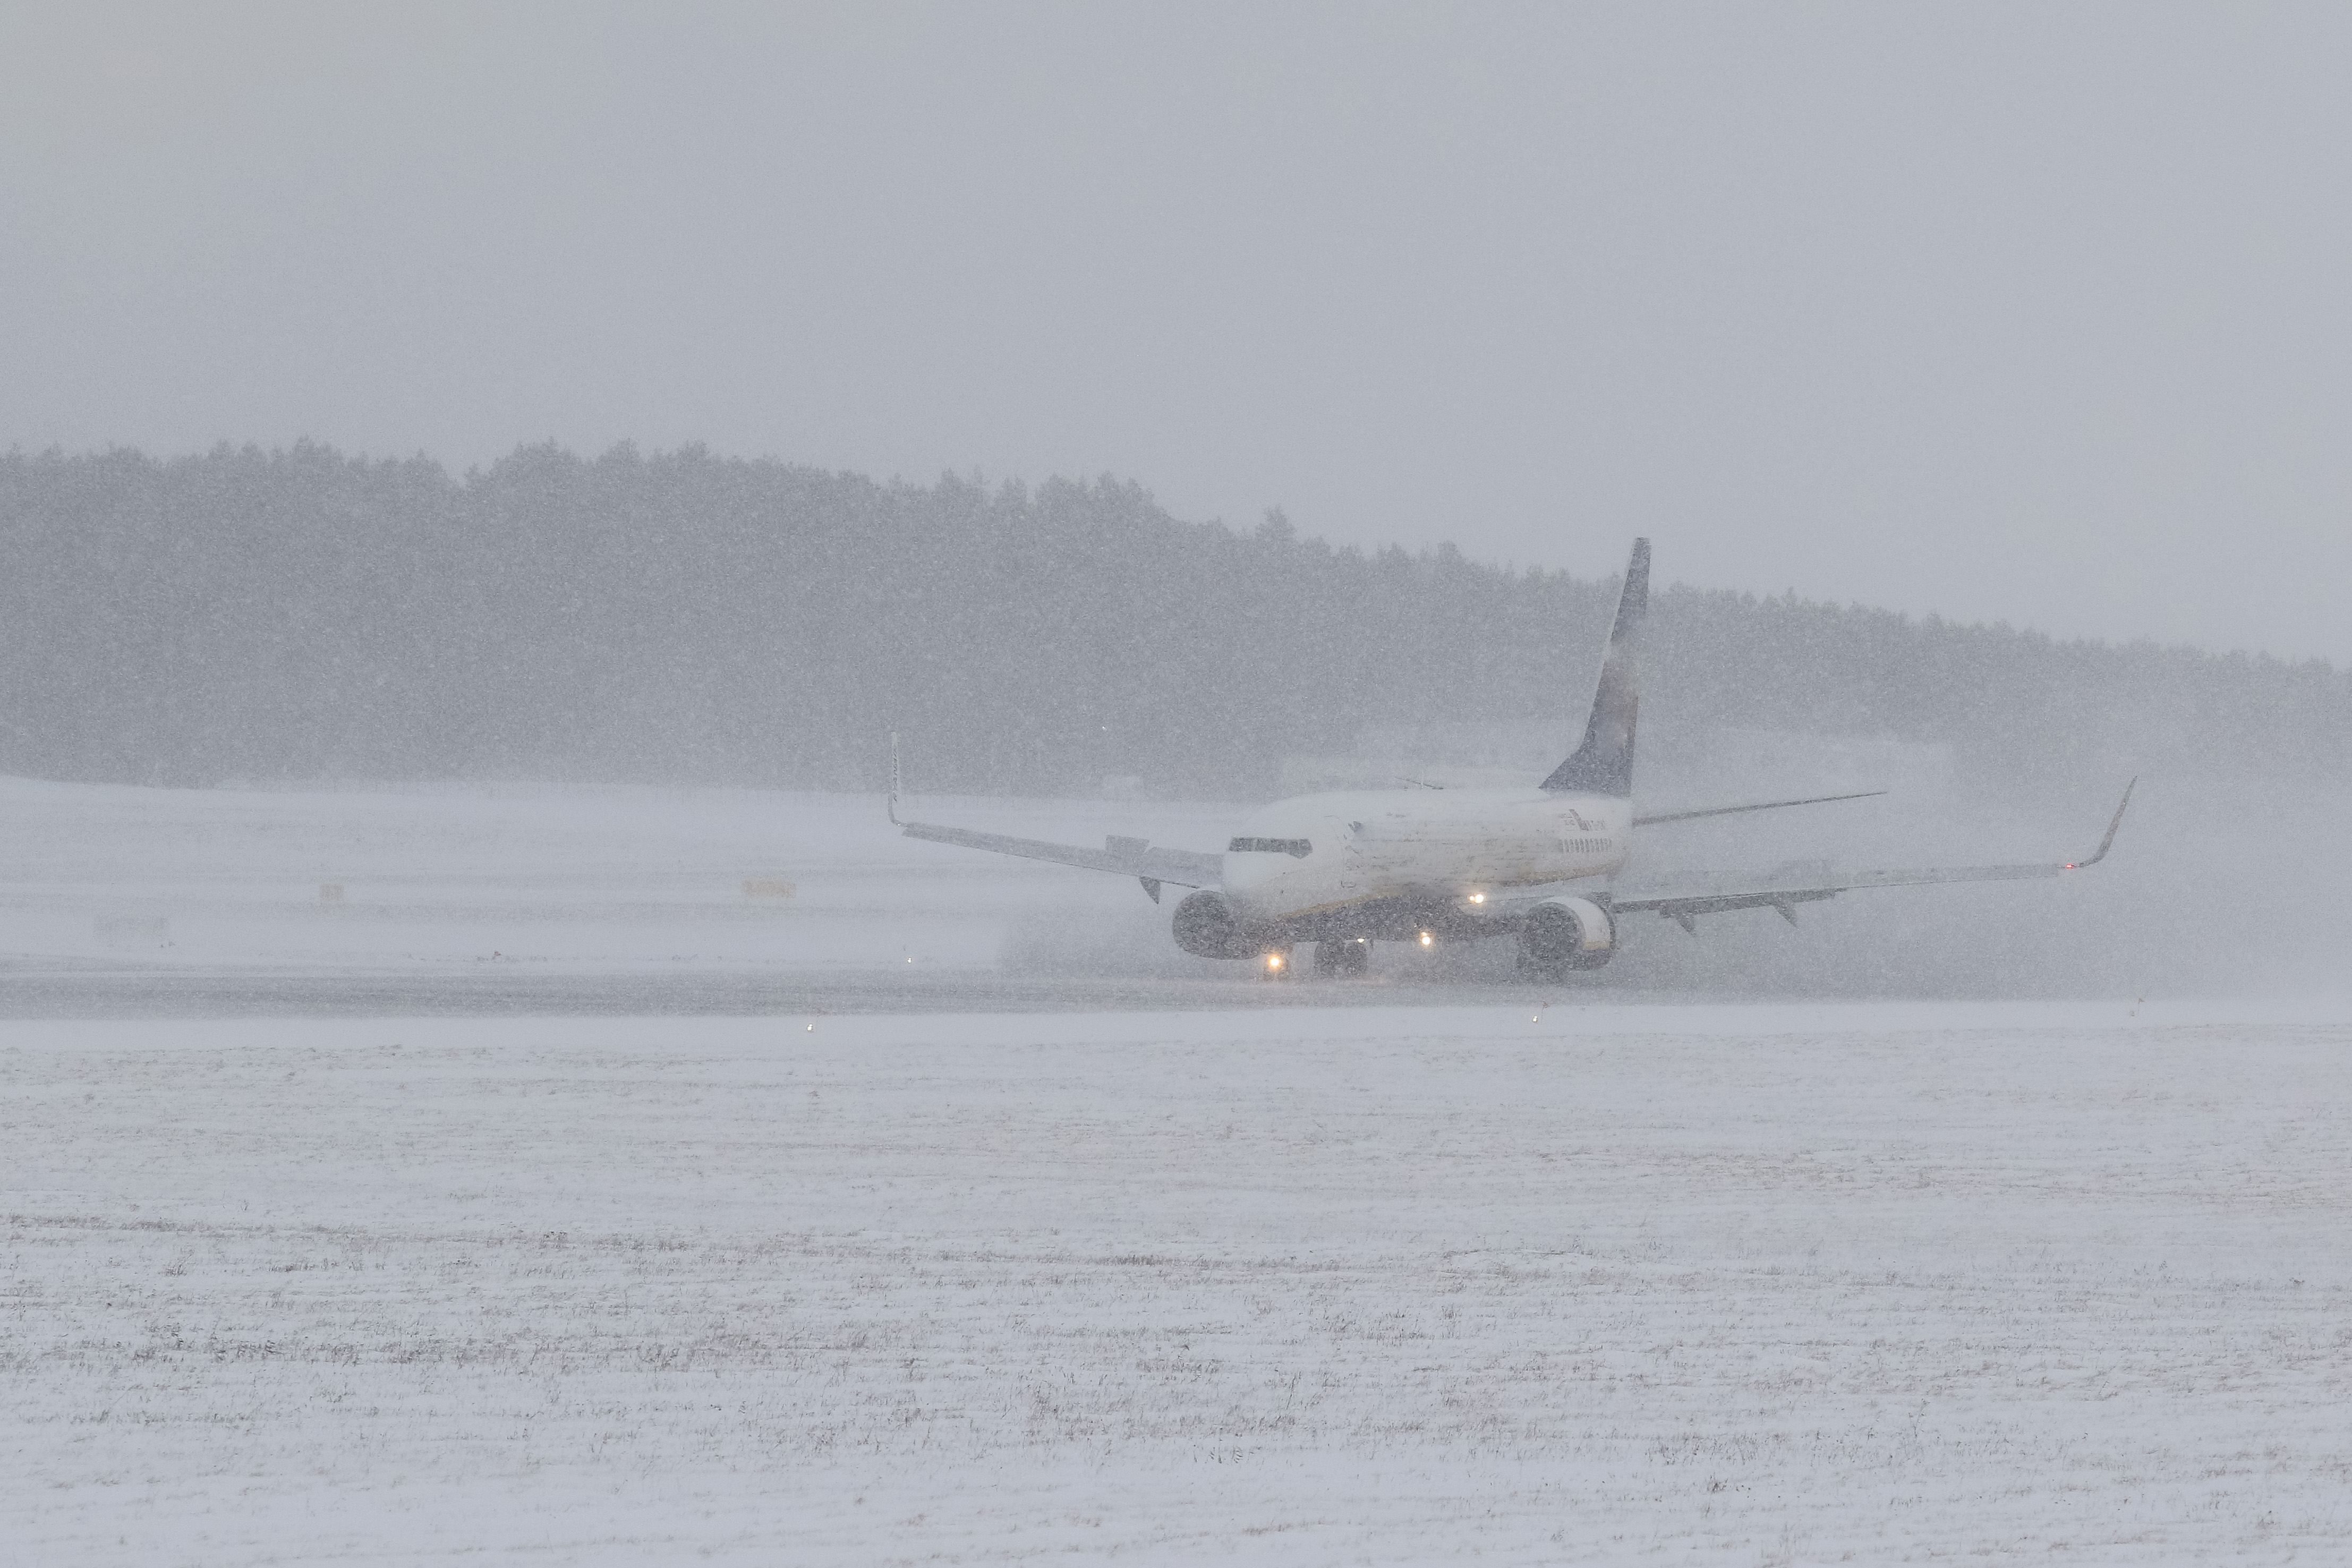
(2038, 313)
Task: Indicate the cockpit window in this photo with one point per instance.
(1299, 846)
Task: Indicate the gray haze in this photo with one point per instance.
(2009, 312)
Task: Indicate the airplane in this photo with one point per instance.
(1541, 863)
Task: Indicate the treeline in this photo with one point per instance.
(684, 617)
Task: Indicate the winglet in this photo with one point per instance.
(2109, 841)
(890, 806)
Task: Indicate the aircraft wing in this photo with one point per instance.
(1754, 805)
(1137, 857)
(1785, 888)
(1149, 863)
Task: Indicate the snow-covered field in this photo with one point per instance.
(443, 880)
(1795, 1283)
(1594, 1277)
(580, 898)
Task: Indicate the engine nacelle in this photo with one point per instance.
(1205, 927)
(1564, 934)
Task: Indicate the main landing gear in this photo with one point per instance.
(1347, 955)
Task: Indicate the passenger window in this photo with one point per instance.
(1301, 848)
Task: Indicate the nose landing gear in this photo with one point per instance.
(1347, 955)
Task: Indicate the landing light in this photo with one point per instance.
(1426, 939)
(1273, 961)
(1477, 897)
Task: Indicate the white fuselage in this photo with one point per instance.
(1421, 846)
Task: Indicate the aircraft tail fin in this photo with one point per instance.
(1604, 764)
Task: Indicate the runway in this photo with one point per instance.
(496, 990)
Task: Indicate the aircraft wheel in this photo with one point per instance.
(1551, 947)
(1349, 955)
(1544, 967)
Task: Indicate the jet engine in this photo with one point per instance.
(1565, 934)
(1205, 928)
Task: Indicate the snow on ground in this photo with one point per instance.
(487, 895)
(1579, 1282)
(436, 881)
(1608, 1284)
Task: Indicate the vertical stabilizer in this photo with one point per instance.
(1604, 763)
